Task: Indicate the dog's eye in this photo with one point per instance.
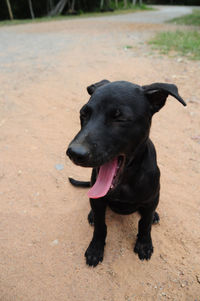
(83, 115)
(117, 116)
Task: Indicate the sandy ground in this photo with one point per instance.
(44, 231)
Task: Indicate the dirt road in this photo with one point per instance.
(45, 68)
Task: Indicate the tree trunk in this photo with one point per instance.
(31, 9)
(134, 2)
(101, 4)
(9, 9)
(116, 3)
(50, 5)
(140, 2)
(57, 10)
(125, 3)
(73, 5)
(107, 4)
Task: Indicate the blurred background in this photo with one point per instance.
(25, 9)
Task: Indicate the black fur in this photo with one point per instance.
(116, 122)
(79, 183)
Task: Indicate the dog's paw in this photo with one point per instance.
(143, 249)
(94, 253)
(91, 218)
(156, 218)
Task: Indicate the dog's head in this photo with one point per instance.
(115, 124)
(116, 120)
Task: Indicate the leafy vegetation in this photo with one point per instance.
(191, 19)
(185, 43)
(130, 9)
(31, 9)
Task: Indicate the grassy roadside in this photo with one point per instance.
(191, 19)
(130, 9)
(184, 43)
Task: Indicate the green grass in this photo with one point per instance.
(186, 43)
(36, 20)
(191, 19)
(121, 10)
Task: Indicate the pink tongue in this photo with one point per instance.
(104, 180)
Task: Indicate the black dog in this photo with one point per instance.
(114, 141)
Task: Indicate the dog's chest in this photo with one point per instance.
(122, 201)
(129, 188)
(122, 193)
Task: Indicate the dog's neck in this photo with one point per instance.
(138, 155)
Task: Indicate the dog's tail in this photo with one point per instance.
(79, 183)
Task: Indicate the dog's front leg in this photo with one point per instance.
(94, 253)
(144, 246)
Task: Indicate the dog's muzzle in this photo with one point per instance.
(78, 153)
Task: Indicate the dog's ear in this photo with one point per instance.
(157, 94)
(93, 87)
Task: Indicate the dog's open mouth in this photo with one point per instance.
(107, 178)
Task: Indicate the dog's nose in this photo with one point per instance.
(78, 153)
